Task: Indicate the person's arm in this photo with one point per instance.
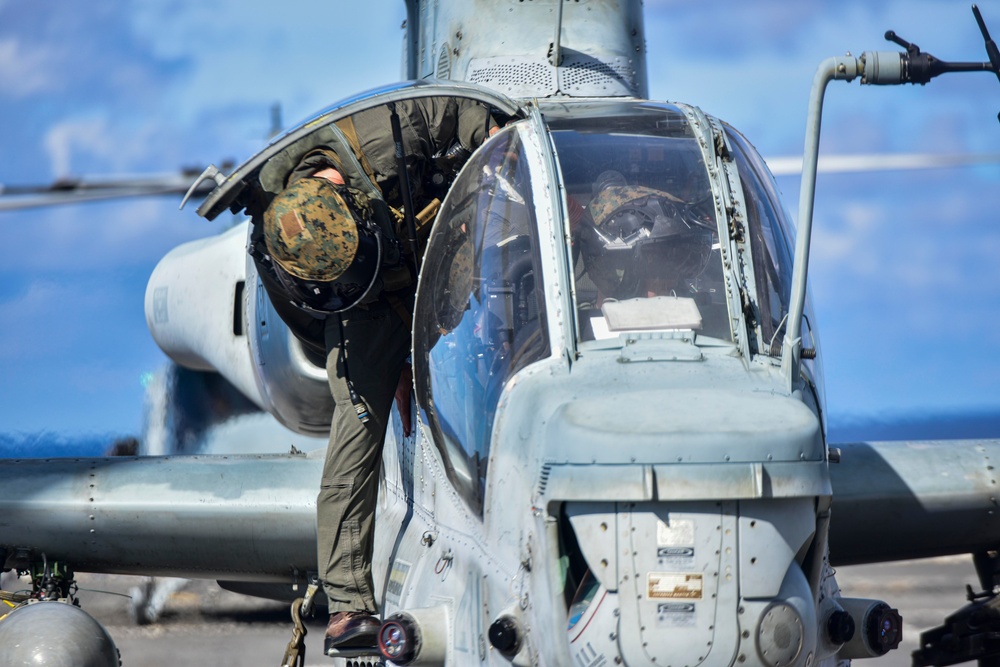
(474, 125)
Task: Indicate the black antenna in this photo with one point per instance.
(919, 67)
(991, 47)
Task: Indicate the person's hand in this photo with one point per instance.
(404, 389)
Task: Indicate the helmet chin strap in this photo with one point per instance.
(375, 275)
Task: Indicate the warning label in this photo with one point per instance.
(675, 614)
(397, 579)
(674, 586)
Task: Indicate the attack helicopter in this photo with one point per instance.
(661, 422)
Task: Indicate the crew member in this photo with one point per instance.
(641, 242)
(323, 238)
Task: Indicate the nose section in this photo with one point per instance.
(677, 579)
(686, 584)
(653, 586)
(678, 583)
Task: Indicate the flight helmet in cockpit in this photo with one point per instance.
(638, 241)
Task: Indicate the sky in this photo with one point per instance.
(904, 269)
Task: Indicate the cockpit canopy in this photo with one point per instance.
(641, 214)
(482, 317)
(629, 209)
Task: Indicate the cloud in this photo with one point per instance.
(55, 49)
(25, 69)
(72, 349)
(737, 29)
(36, 308)
(36, 301)
(752, 64)
(66, 138)
(99, 145)
(128, 234)
(848, 237)
(905, 280)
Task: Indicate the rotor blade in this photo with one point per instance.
(78, 190)
(843, 164)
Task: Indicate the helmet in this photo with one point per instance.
(639, 239)
(325, 248)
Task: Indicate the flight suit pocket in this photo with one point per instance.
(337, 487)
(356, 565)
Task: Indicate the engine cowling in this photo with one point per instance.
(207, 310)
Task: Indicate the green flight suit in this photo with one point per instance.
(376, 342)
(430, 126)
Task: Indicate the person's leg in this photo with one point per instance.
(376, 344)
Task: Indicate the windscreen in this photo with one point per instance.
(771, 242)
(479, 315)
(645, 243)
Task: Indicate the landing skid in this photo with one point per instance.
(354, 657)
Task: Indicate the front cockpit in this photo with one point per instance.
(577, 225)
(480, 316)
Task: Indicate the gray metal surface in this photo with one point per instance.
(292, 387)
(54, 634)
(252, 517)
(223, 517)
(534, 49)
(902, 500)
(828, 70)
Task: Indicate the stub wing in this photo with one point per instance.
(247, 518)
(914, 499)
(253, 517)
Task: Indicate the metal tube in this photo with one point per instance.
(832, 68)
(404, 185)
(556, 56)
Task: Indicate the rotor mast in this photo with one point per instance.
(543, 48)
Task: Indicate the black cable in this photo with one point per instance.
(359, 405)
(404, 185)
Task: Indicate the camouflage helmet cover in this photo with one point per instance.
(612, 198)
(310, 229)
